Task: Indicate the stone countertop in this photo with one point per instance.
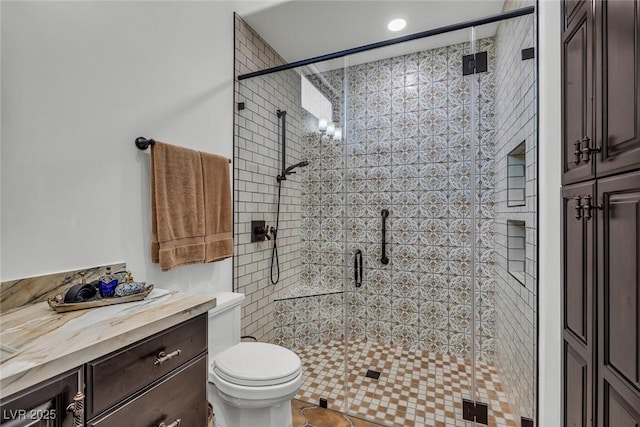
(37, 343)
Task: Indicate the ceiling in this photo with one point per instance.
(301, 29)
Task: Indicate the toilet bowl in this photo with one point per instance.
(250, 383)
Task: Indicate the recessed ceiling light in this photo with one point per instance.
(397, 24)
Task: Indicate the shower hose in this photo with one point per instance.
(274, 251)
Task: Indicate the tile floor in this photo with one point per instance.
(415, 388)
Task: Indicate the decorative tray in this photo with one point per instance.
(57, 302)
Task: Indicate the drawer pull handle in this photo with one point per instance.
(77, 409)
(176, 423)
(163, 357)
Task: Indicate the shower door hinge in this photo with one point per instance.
(526, 422)
(528, 53)
(475, 411)
(475, 63)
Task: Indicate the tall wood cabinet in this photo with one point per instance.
(601, 213)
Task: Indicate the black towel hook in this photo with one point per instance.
(143, 143)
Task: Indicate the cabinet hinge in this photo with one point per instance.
(475, 411)
(475, 63)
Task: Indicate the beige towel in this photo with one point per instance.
(217, 207)
(180, 212)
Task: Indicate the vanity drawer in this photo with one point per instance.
(182, 395)
(114, 377)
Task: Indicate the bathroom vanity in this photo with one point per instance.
(142, 363)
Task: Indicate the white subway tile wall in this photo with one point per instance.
(257, 150)
(515, 303)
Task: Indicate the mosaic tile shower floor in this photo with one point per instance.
(416, 388)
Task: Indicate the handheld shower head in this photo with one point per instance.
(289, 170)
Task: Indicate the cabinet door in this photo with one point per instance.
(570, 10)
(578, 285)
(577, 96)
(618, 111)
(43, 404)
(619, 301)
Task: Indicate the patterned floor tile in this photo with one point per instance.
(415, 388)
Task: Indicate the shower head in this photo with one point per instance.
(289, 170)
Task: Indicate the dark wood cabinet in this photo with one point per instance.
(619, 300)
(125, 371)
(44, 404)
(601, 213)
(578, 293)
(617, 146)
(577, 94)
(159, 379)
(600, 89)
(179, 396)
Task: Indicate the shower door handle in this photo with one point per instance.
(357, 268)
(385, 214)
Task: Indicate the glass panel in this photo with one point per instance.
(451, 316)
(293, 275)
(504, 134)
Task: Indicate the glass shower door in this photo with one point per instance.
(408, 204)
(503, 123)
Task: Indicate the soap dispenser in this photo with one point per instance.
(108, 283)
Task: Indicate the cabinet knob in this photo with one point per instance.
(586, 151)
(588, 207)
(578, 206)
(577, 151)
(163, 357)
(176, 423)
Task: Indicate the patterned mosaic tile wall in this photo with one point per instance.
(317, 318)
(407, 150)
(256, 164)
(515, 302)
(309, 320)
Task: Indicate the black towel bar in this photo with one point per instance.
(143, 143)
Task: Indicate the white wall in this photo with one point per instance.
(549, 215)
(80, 81)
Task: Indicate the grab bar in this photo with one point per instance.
(357, 268)
(385, 214)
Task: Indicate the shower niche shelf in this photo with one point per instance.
(516, 176)
(516, 249)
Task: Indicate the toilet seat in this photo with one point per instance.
(257, 364)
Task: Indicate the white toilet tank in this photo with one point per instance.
(224, 323)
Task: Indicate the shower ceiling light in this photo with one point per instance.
(331, 128)
(337, 136)
(322, 123)
(396, 24)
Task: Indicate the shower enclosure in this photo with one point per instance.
(407, 244)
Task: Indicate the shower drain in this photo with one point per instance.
(373, 374)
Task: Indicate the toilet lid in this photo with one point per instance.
(257, 364)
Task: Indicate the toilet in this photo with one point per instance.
(250, 383)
